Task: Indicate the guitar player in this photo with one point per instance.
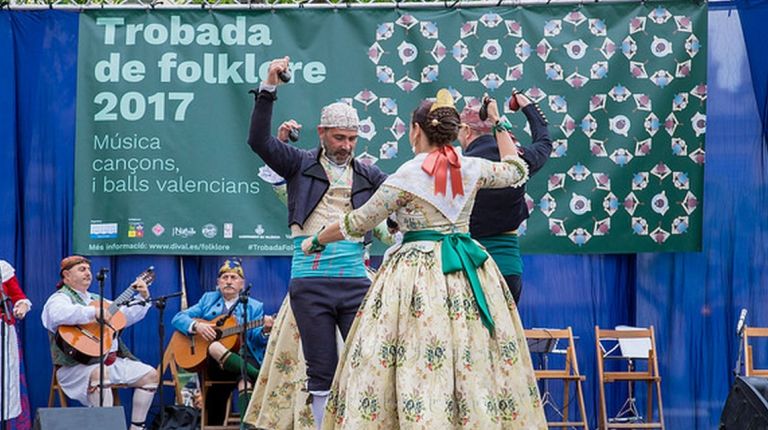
(223, 364)
(69, 306)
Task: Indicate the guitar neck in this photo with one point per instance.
(122, 298)
(148, 276)
(239, 328)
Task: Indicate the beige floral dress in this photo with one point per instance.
(279, 400)
(418, 354)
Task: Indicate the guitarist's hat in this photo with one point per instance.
(72, 261)
(232, 265)
(68, 263)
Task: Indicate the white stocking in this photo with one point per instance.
(319, 399)
(93, 398)
(142, 400)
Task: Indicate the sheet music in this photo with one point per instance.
(634, 348)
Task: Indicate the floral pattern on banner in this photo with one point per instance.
(624, 90)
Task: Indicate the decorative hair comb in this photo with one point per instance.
(444, 99)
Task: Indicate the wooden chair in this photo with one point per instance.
(170, 364)
(630, 344)
(749, 362)
(569, 374)
(57, 391)
(231, 420)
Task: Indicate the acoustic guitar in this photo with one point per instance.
(191, 350)
(81, 341)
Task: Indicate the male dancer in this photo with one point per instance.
(323, 183)
(499, 212)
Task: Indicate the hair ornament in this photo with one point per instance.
(444, 100)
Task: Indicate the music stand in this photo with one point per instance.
(544, 347)
(631, 350)
(541, 346)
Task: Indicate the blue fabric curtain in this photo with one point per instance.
(692, 299)
(754, 15)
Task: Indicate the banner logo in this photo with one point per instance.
(158, 229)
(184, 232)
(101, 230)
(135, 229)
(209, 231)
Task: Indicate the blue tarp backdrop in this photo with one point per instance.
(692, 299)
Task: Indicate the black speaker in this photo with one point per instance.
(746, 407)
(80, 418)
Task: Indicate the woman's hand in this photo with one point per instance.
(269, 322)
(20, 309)
(306, 245)
(493, 110)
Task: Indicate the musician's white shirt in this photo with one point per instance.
(59, 310)
(74, 380)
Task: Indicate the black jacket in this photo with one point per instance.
(500, 210)
(306, 180)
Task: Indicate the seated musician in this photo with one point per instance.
(80, 381)
(223, 364)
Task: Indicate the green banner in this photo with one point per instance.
(163, 167)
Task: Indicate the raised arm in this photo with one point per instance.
(512, 171)
(285, 160)
(134, 314)
(507, 145)
(538, 152)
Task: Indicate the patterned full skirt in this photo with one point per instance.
(279, 400)
(418, 355)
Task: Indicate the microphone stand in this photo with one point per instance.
(737, 369)
(244, 350)
(160, 303)
(740, 337)
(231, 311)
(100, 277)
